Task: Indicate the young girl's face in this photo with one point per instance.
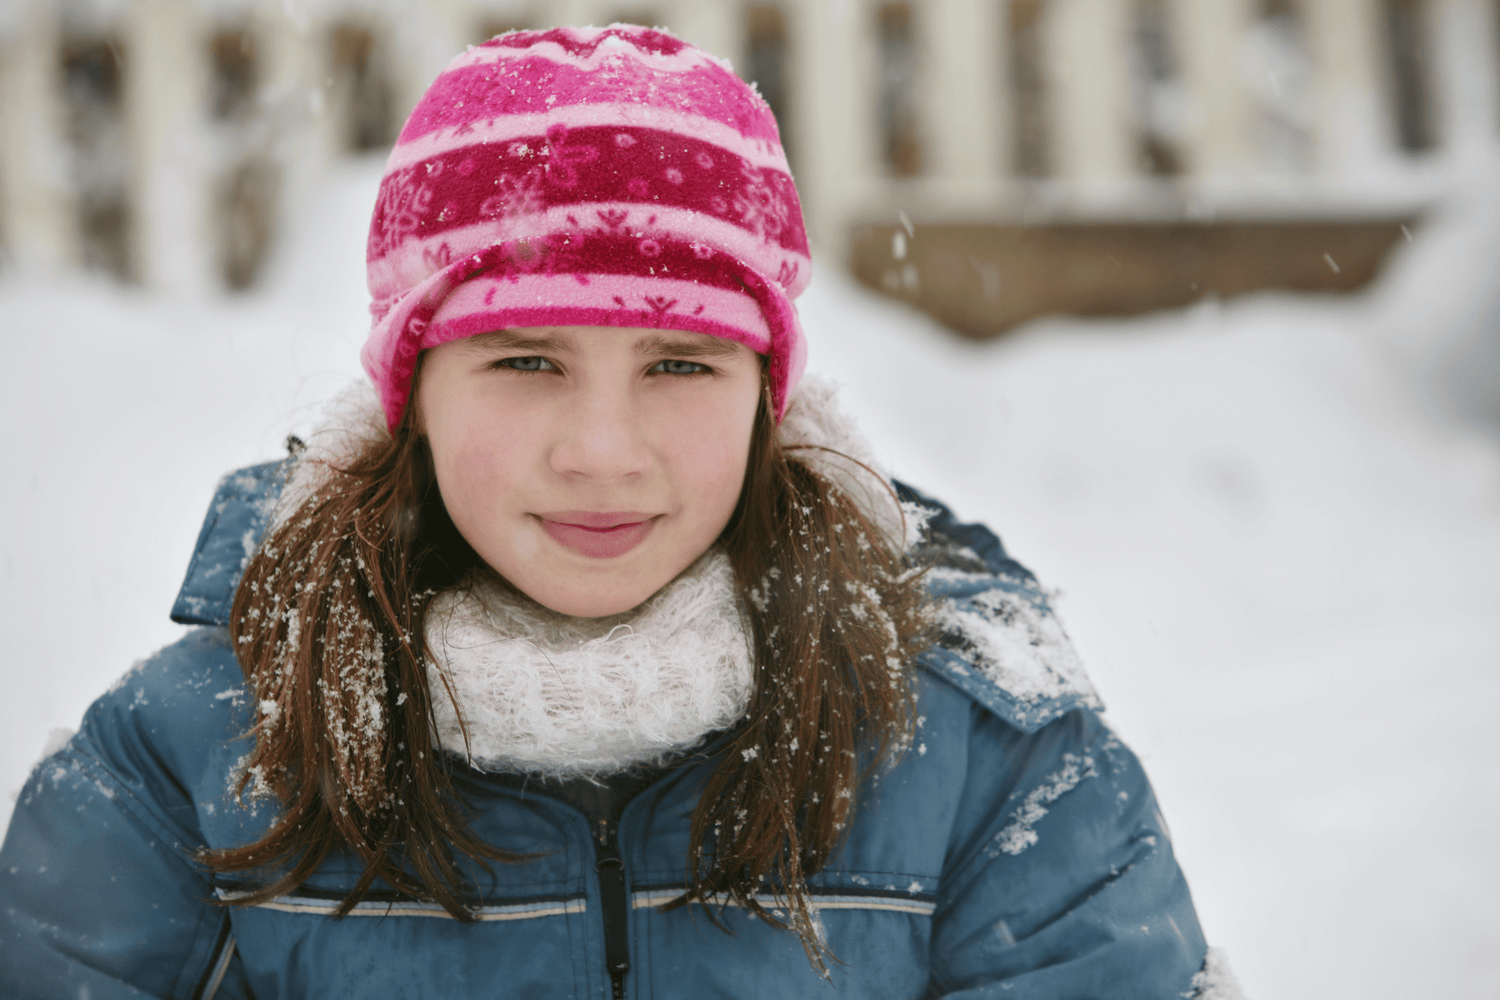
(589, 465)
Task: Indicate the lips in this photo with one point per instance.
(598, 534)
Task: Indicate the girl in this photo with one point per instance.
(592, 657)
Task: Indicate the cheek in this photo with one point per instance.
(477, 469)
(712, 455)
(476, 475)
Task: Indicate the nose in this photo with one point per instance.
(601, 438)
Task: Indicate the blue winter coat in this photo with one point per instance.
(1016, 851)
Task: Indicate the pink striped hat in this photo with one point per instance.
(585, 177)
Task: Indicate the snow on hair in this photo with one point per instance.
(358, 556)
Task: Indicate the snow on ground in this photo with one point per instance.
(1273, 543)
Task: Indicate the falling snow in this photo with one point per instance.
(1233, 498)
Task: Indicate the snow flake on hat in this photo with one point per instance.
(401, 209)
(515, 195)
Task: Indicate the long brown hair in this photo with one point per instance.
(328, 626)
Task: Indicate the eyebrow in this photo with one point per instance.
(515, 340)
(701, 346)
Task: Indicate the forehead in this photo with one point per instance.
(571, 339)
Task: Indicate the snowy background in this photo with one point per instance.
(1274, 527)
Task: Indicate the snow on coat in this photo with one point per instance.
(1015, 851)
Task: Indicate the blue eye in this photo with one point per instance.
(528, 364)
(674, 367)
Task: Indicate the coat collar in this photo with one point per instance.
(998, 639)
(237, 518)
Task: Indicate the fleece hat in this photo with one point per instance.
(586, 177)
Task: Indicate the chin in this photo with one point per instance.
(594, 607)
(591, 600)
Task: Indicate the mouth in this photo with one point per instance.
(598, 534)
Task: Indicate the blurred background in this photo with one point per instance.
(1193, 301)
(1098, 157)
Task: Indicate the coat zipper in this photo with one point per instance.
(613, 901)
(223, 954)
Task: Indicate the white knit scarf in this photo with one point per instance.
(551, 694)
